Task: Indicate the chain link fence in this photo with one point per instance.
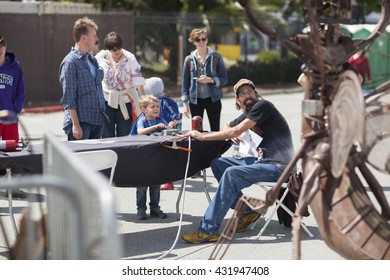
(159, 41)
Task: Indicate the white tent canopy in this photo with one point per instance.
(372, 17)
(353, 28)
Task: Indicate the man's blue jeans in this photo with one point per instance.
(234, 175)
(90, 131)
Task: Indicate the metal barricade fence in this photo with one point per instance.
(97, 211)
(31, 240)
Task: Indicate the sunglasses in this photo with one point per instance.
(245, 92)
(201, 39)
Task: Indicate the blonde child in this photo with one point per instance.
(146, 124)
(169, 110)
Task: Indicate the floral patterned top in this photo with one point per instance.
(122, 75)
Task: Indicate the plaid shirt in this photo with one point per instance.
(81, 90)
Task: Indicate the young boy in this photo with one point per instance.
(146, 124)
(169, 110)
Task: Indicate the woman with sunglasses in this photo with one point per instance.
(204, 74)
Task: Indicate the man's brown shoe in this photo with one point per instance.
(244, 221)
(200, 237)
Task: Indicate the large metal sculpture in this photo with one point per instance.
(342, 133)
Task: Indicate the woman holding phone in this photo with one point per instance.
(204, 74)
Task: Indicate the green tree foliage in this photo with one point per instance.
(204, 6)
(370, 5)
(267, 56)
(162, 41)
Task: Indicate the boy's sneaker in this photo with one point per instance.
(158, 214)
(200, 237)
(141, 215)
(167, 187)
(244, 221)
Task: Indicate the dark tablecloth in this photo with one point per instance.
(142, 160)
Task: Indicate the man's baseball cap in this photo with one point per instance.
(241, 83)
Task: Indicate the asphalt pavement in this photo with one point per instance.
(151, 238)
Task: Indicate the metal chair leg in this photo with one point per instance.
(10, 207)
(206, 191)
(181, 193)
(178, 201)
(279, 203)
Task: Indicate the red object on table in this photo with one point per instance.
(8, 145)
(197, 123)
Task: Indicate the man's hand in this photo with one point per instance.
(236, 140)
(195, 134)
(77, 132)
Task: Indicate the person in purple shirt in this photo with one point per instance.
(81, 81)
(12, 97)
(12, 91)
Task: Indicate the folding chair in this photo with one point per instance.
(100, 160)
(279, 203)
